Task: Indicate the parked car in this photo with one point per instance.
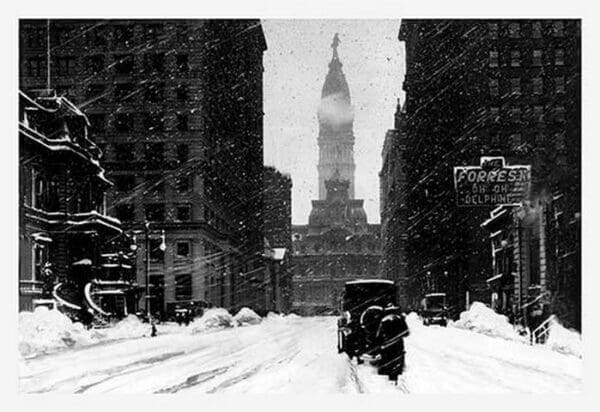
(372, 325)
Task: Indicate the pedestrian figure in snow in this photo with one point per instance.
(392, 331)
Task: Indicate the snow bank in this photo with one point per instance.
(247, 316)
(130, 327)
(564, 340)
(212, 319)
(45, 330)
(479, 318)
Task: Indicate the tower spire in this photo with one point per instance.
(334, 46)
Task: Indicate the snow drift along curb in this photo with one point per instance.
(479, 318)
(247, 316)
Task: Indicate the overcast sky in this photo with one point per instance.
(296, 62)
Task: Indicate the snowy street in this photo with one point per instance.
(298, 356)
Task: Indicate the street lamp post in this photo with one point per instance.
(162, 247)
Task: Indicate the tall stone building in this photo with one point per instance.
(508, 88)
(173, 104)
(392, 183)
(68, 243)
(338, 244)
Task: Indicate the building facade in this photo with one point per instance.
(155, 92)
(278, 237)
(72, 253)
(338, 244)
(392, 183)
(509, 88)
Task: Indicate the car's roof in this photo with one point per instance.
(435, 294)
(355, 282)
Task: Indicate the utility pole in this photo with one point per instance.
(147, 233)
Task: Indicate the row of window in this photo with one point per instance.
(45, 195)
(100, 35)
(516, 59)
(537, 139)
(536, 29)
(154, 212)
(152, 184)
(122, 64)
(537, 86)
(153, 153)
(537, 114)
(151, 121)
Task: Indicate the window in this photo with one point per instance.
(181, 60)
(96, 93)
(153, 31)
(559, 83)
(537, 58)
(183, 152)
(515, 85)
(154, 152)
(558, 29)
(183, 248)
(125, 212)
(514, 30)
(123, 35)
(182, 92)
(515, 58)
(124, 63)
(124, 182)
(495, 114)
(494, 87)
(182, 122)
(154, 62)
(98, 122)
(155, 92)
(154, 122)
(36, 66)
(156, 255)
(97, 36)
(124, 122)
(123, 91)
(184, 184)
(38, 258)
(538, 85)
(155, 185)
(184, 213)
(124, 152)
(493, 30)
(515, 114)
(559, 114)
(38, 185)
(154, 212)
(65, 66)
(538, 113)
(559, 57)
(183, 287)
(559, 139)
(36, 37)
(493, 59)
(536, 30)
(515, 140)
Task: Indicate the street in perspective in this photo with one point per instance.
(300, 206)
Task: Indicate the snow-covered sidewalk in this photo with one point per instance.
(298, 355)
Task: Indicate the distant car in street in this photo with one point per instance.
(434, 310)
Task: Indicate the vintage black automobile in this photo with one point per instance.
(434, 310)
(372, 325)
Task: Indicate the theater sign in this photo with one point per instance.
(492, 183)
